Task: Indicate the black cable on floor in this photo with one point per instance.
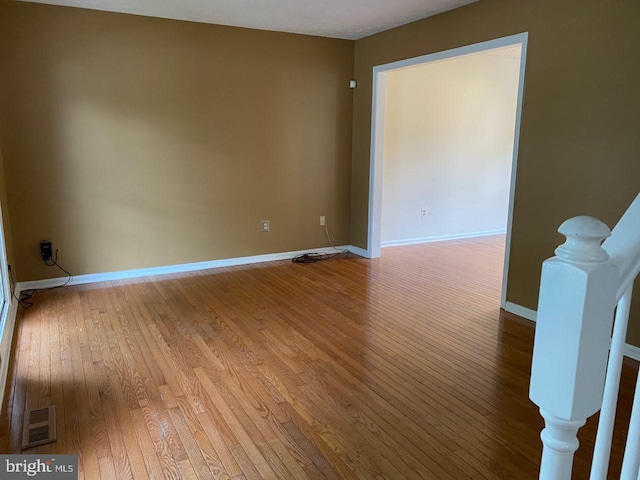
(317, 257)
(27, 295)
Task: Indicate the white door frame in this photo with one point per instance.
(377, 136)
(7, 314)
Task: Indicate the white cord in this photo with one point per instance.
(326, 231)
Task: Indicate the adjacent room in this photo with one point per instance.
(449, 128)
(446, 132)
(162, 164)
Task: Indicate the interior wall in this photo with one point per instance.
(579, 139)
(448, 147)
(132, 142)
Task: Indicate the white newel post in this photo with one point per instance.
(573, 335)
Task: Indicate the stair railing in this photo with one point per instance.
(577, 360)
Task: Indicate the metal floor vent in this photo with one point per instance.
(39, 427)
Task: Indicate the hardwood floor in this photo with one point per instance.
(397, 368)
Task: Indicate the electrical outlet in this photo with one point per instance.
(423, 212)
(265, 226)
(322, 221)
(45, 250)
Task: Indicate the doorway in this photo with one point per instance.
(384, 77)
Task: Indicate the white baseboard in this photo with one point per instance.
(6, 339)
(441, 238)
(632, 352)
(359, 251)
(181, 268)
(629, 350)
(521, 311)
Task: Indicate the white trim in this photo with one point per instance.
(521, 311)
(184, 267)
(514, 167)
(630, 351)
(376, 163)
(9, 309)
(4, 269)
(6, 335)
(441, 238)
(377, 137)
(359, 251)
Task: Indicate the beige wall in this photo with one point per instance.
(448, 146)
(133, 142)
(579, 144)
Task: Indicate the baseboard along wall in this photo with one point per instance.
(181, 268)
(630, 351)
(441, 238)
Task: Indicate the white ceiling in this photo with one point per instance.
(350, 19)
